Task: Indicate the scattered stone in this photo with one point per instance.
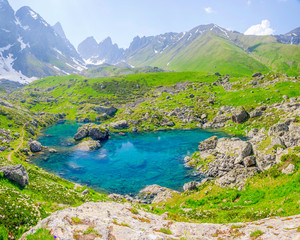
(16, 173)
(285, 97)
(191, 186)
(156, 194)
(85, 192)
(239, 115)
(249, 161)
(289, 169)
(258, 74)
(35, 146)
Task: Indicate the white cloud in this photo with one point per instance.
(209, 10)
(260, 29)
(249, 2)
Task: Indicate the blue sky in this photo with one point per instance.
(124, 19)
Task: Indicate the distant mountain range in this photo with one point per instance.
(30, 48)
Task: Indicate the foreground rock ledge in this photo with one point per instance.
(115, 221)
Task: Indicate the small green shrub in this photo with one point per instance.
(41, 234)
(276, 146)
(256, 234)
(76, 220)
(165, 231)
(91, 230)
(3, 233)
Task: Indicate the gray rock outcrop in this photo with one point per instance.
(191, 186)
(16, 173)
(123, 124)
(35, 146)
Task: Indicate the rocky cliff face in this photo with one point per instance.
(110, 220)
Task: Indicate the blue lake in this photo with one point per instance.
(124, 164)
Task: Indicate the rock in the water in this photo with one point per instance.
(119, 125)
(35, 146)
(89, 145)
(239, 115)
(191, 186)
(81, 133)
(290, 169)
(16, 174)
(156, 194)
(209, 143)
(92, 130)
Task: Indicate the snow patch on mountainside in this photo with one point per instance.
(8, 72)
(23, 45)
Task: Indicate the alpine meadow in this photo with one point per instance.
(189, 133)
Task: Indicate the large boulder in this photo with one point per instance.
(92, 130)
(16, 173)
(209, 143)
(97, 133)
(239, 115)
(123, 124)
(191, 186)
(234, 147)
(35, 146)
(90, 145)
(107, 110)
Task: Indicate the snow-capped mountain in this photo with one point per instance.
(104, 52)
(30, 48)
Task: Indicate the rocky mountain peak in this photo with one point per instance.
(104, 52)
(59, 30)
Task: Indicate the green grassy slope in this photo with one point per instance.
(240, 55)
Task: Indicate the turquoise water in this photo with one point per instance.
(125, 164)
